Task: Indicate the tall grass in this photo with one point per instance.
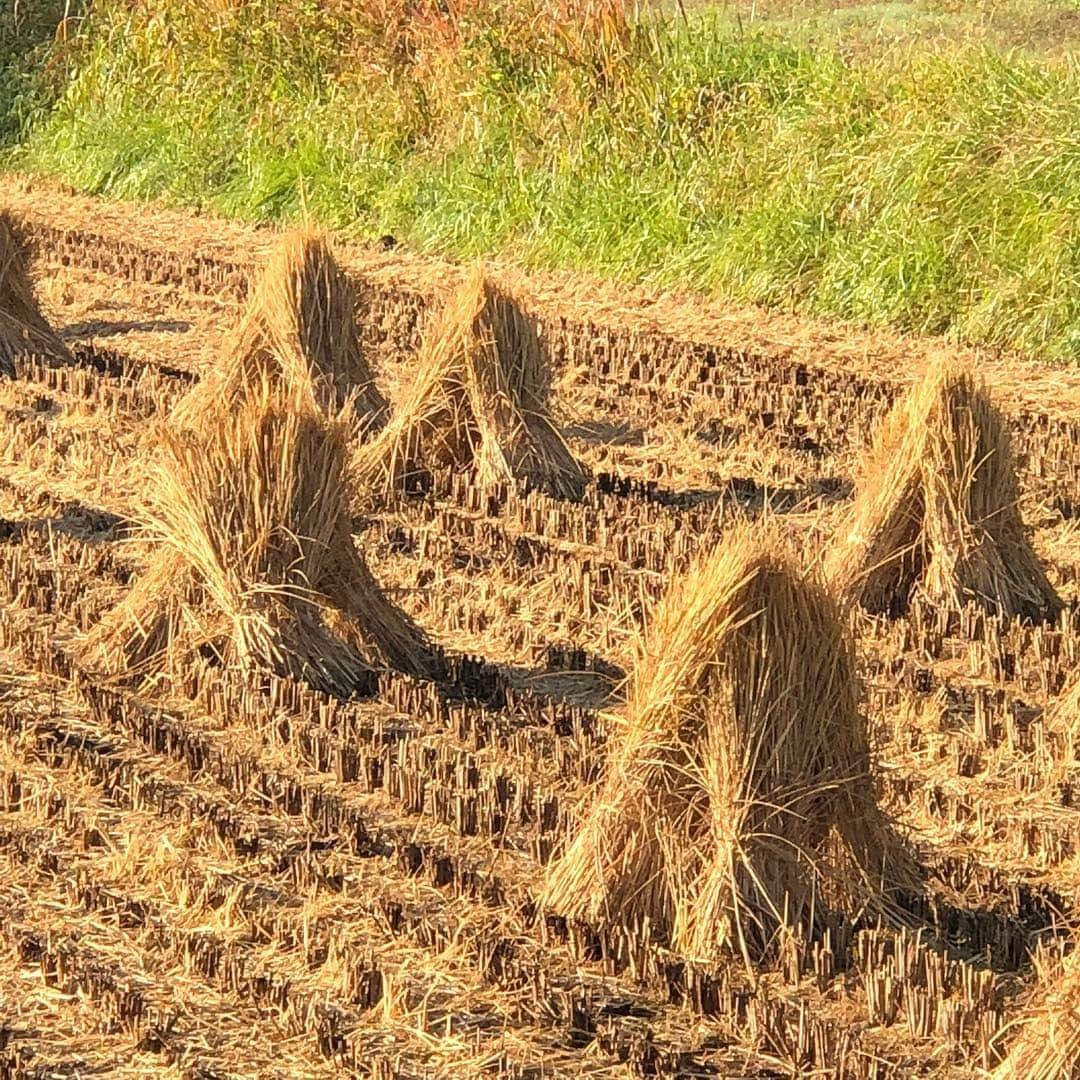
(934, 190)
(32, 38)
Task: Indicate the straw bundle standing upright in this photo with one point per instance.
(937, 510)
(738, 805)
(299, 326)
(24, 330)
(478, 401)
(255, 559)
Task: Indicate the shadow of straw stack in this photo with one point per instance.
(936, 509)
(300, 326)
(1048, 1044)
(479, 401)
(738, 806)
(255, 560)
(24, 331)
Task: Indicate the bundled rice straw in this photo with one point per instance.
(479, 401)
(1062, 724)
(1048, 1046)
(23, 329)
(937, 509)
(738, 805)
(299, 324)
(256, 561)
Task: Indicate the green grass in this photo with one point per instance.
(28, 48)
(930, 185)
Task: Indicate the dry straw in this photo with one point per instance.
(299, 326)
(738, 805)
(1062, 724)
(479, 401)
(1048, 1046)
(23, 329)
(937, 509)
(255, 559)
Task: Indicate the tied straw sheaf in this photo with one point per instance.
(1062, 720)
(479, 401)
(936, 510)
(1048, 1044)
(255, 560)
(738, 806)
(24, 331)
(299, 326)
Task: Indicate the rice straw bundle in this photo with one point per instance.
(937, 509)
(738, 805)
(23, 329)
(1062, 724)
(299, 325)
(479, 401)
(256, 560)
(1048, 1047)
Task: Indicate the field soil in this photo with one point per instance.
(251, 879)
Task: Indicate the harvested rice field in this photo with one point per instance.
(409, 670)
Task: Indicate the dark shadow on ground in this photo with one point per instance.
(116, 365)
(752, 496)
(77, 520)
(567, 675)
(605, 433)
(101, 328)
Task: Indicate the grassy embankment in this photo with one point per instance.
(843, 164)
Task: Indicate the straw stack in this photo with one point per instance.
(936, 510)
(24, 331)
(479, 402)
(299, 326)
(255, 561)
(738, 805)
